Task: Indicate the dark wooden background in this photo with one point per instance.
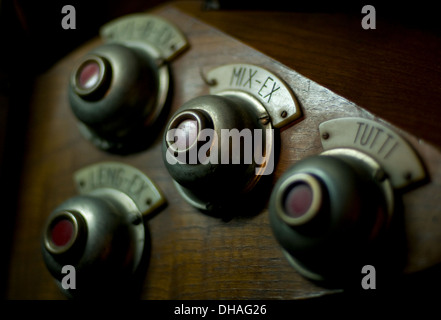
(393, 71)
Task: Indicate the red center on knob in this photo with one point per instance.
(62, 232)
(186, 134)
(88, 75)
(298, 200)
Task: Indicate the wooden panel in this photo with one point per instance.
(195, 256)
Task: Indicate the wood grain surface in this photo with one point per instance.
(393, 72)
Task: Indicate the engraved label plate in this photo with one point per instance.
(391, 151)
(270, 90)
(154, 30)
(124, 178)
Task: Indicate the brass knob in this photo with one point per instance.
(216, 149)
(103, 237)
(329, 211)
(117, 92)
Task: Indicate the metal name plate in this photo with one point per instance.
(277, 98)
(391, 151)
(124, 178)
(154, 30)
